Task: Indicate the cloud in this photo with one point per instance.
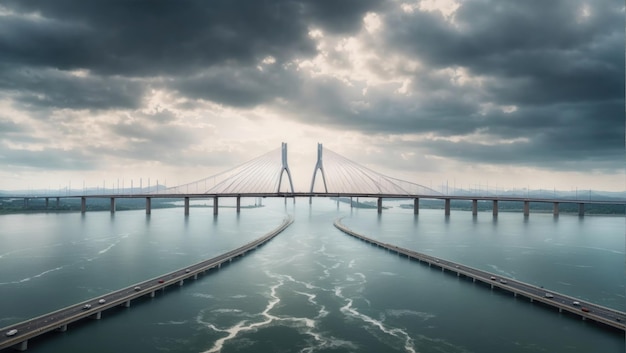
(536, 84)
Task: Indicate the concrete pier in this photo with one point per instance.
(238, 204)
(495, 207)
(416, 206)
(47, 201)
(148, 205)
(62, 328)
(581, 209)
(126, 304)
(380, 205)
(474, 207)
(97, 316)
(112, 204)
(180, 283)
(83, 204)
(447, 207)
(186, 206)
(555, 209)
(22, 346)
(215, 205)
(58, 202)
(526, 208)
(152, 294)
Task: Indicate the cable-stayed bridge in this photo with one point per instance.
(333, 176)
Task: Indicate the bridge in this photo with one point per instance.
(93, 308)
(333, 176)
(563, 303)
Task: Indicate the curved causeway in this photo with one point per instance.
(588, 311)
(17, 335)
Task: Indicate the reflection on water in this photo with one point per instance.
(313, 289)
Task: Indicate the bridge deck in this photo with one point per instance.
(562, 302)
(59, 319)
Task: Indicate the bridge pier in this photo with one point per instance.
(62, 328)
(126, 304)
(581, 209)
(195, 276)
(112, 204)
(26, 202)
(416, 206)
(22, 346)
(180, 283)
(152, 294)
(148, 205)
(58, 202)
(526, 208)
(97, 316)
(47, 203)
(83, 204)
(447, 207)
(215, 205)
(186, 206)
(380, 205)
(474, 207)
(495, 207)
(238, 204)
(555, 209)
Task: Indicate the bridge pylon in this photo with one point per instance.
(319, 166)
(285, 168)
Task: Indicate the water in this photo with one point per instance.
(312, 288)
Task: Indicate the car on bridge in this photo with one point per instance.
(11, 333)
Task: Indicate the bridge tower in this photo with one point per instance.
(285, 168)
(319, 165)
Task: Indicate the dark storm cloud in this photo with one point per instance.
(37, 87)
(166, 37)
(563, 72)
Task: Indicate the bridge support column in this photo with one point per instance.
(112, 204)
(581, 209)
(126, 304)
(416, 206)
(186, 206)
(83, 205)
(97, 316)
(380, 205)
(62, 328)
(447, 207)
(152, 294)
(58, 202)
(555, 209)
(180, 283)
(26, 202)
(238, 204)
(195, 276)
(47, 201)
(215, 205)
(474, 207)
(350, 202)
(526, 208)
(148, 205)
(22, 346)
(495, 207)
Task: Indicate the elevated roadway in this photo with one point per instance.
(562, 302)
(60, 319)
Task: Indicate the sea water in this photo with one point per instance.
(313, 288)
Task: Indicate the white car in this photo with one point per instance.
(86, 306)
(576, 303)
(102, 301)
(548, 295)
(11, 332)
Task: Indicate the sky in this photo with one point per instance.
(493, 94)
